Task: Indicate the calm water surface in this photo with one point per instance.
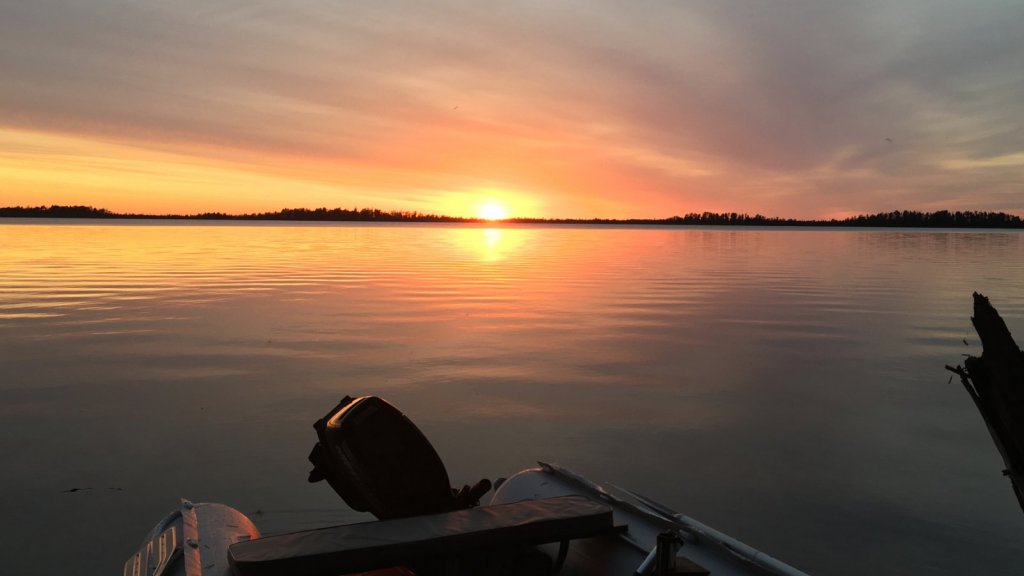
(784, 386)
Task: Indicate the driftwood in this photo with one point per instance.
(995, 382)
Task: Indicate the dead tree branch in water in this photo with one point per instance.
(995, 382)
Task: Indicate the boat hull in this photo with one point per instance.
(626, 552)
(192, 540)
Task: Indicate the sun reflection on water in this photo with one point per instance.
(492, 244)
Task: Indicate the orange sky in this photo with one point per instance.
(575, 110)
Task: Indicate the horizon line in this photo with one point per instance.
(896, 218)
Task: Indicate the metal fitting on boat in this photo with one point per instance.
(665, 558)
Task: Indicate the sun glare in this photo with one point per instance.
(492, 210)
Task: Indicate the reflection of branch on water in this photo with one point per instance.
(995, 382)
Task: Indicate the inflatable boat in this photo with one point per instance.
(540, 521)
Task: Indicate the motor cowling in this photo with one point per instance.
(378, 461)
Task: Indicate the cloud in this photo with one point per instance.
(791, 108)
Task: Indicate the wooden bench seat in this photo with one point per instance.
(372, 545)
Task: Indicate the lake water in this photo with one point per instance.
(785, 386)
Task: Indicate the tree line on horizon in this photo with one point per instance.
(895, 219)
(298, 214)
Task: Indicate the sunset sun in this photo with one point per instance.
(492, 210)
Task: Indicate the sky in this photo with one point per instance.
(808, 109)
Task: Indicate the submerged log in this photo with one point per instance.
(995, 382)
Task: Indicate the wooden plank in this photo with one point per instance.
(386, 543)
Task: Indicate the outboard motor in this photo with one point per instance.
(378, 461)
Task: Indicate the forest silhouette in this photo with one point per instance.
(895, 219)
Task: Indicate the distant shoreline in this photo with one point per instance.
(895, 219)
